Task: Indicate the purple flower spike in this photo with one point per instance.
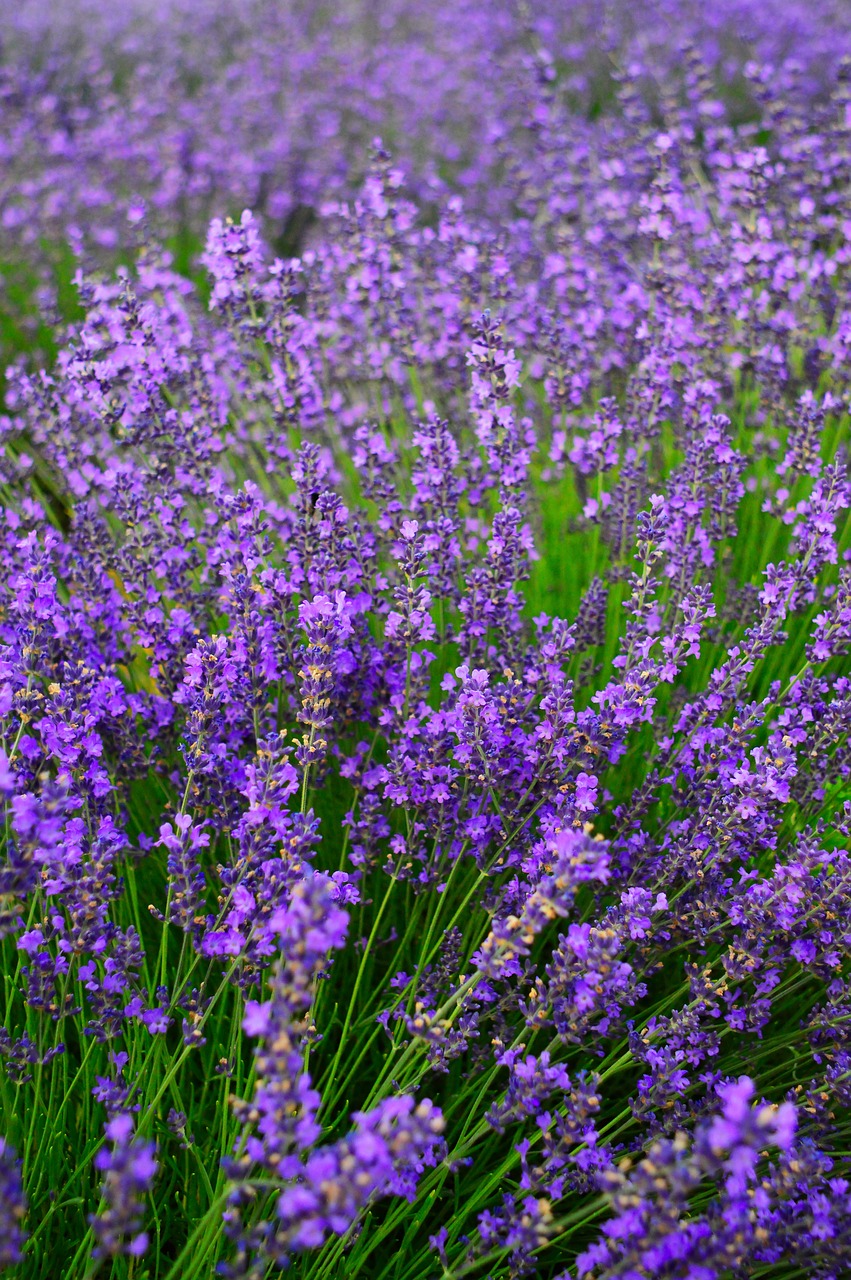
(12, 1207)
(128, 1169)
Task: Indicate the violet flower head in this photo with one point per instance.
(12, 1207)
(385, 1154)
(743, 1131)
(281, 1116)
(572, 858)
(129, 1168)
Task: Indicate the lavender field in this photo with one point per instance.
(425, 640)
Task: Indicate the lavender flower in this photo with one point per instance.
(12, 1207)
(128, 1170)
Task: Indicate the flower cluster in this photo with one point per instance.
(12, 1207)
(128, 1169)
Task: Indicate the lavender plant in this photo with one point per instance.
(424, 664)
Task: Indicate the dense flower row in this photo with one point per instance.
(425, 694)
(179, 111)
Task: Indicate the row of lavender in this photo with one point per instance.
(190, 111)
(425, 695)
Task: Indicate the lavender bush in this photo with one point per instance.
(424, 661)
